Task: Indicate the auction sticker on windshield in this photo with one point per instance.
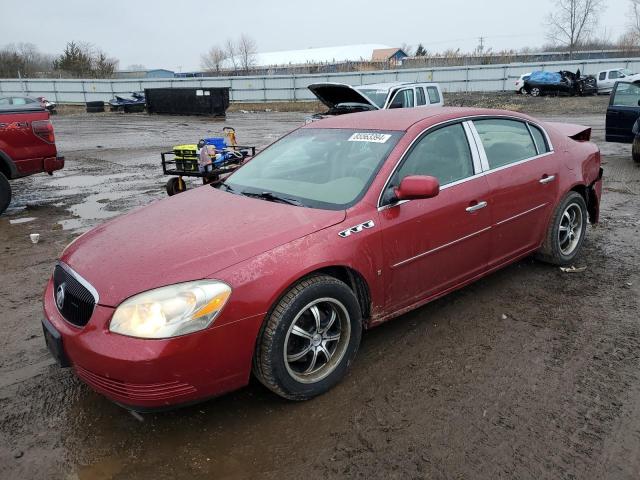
(370, 137)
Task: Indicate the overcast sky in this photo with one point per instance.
(173, 34)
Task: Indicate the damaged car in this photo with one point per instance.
(339, 226)
(341, 98)
(560, 83)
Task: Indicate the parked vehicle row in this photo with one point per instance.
(27, 146)
(392, 209)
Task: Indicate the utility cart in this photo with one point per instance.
(183, 161)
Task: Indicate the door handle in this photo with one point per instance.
(476, 207)
(548, 179)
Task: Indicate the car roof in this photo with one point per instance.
(390, 85)
(401, 119)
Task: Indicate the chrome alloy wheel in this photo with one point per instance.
(317, 340)
(570, 231)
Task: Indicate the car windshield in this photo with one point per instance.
(377, 96)
(626, 72)
(319, 168)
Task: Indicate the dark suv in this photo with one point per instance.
(623, 116)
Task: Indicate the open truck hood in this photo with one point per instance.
(333, 94)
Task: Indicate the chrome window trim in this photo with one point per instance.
(81, 280)
(480, 150)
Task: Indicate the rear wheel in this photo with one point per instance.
(635, 149)
(310, 339)
(5, 193)
(175, 185)
(566, 232)
(535, 92)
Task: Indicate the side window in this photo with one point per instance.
(420, 100)
(627, 95)
(443, 154)
(602, 76)
(4, 101)
(19, 101)
(434, 96)
(539, 139)
(613, 74)
(505, 141)
(403, 99)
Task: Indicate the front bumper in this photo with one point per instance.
(156, 374)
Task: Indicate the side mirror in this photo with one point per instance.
(415, 187)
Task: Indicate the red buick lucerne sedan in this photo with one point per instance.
(335, 228)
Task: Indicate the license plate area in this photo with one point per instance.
(53, 339)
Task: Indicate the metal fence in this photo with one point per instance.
(277, 88)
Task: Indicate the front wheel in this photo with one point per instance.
(5, 193)
(535, 92)
(310, 339)
(566, 231)
(635, 149)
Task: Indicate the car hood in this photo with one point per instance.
(332, 94)
(186, 237)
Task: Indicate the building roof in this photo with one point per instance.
(316, 55)
(384, 54)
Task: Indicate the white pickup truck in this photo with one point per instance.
(608, 78)
(342, 98)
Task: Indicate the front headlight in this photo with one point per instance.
(171, 311)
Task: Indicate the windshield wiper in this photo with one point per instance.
(227, 187)
(272, 197)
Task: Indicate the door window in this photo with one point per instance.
(505, 141)
(420, 100)
(627, 95)
(4, 101)
(403, 99)
(539, 139)
(19, 101)
(613, 74)
(443, 154)
(434, 95)
(602, 76)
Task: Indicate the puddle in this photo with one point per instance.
(18, 221)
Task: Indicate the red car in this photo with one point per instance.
(337, 227)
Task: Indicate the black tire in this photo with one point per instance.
(535, 91)
(635, 149)
(5, 193)
(95, 109)
(552, 250)
(175, 185)
(95, 104)
(288, 378)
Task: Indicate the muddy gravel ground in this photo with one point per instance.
(530, 373)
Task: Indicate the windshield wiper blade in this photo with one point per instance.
(272, 197)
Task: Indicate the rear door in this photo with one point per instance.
(431, 245)
(522, 172)
(623, 112)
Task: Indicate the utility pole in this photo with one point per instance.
(481, 45)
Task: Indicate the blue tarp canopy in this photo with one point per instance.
(546, 77)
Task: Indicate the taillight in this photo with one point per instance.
(44, 130)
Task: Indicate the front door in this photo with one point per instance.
(434, 244)
(623, 112)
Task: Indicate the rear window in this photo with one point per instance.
(505, 141)
(434, 95)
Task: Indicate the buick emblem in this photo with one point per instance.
(60, 295)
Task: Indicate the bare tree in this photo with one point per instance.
(213, 59)
(231, 50)
(573, 22)
(247, 50)
(634, 23)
